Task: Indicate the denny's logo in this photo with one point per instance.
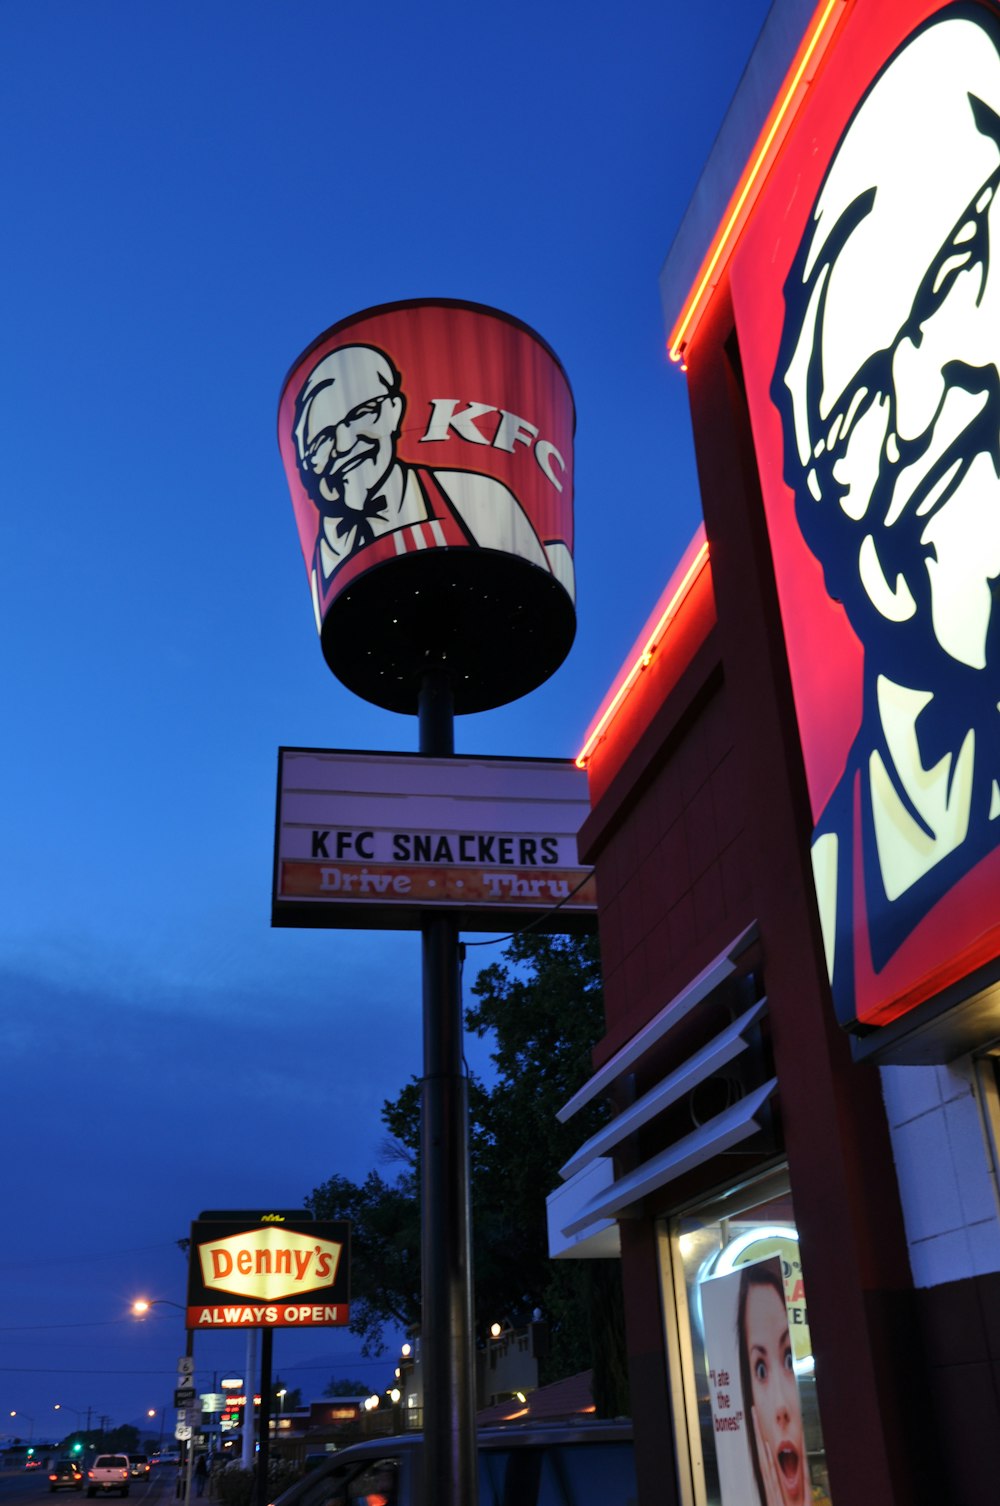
(269, 1263)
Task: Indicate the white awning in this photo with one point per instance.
(582, 1213)
(736, 1123)
(709, 1060)
(671, 1014)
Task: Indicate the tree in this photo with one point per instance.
(346, 1388)
(542, 1010)
(385, 1250)
(121, 1440)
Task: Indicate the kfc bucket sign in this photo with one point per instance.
(428, 448)
(271, 1276)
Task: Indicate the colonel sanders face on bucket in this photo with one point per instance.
(347, 419)
(888, 384)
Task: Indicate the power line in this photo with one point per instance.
(59, 1370)
(20, 1265)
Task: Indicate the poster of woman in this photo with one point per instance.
(756, 1410)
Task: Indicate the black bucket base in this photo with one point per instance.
(497, 625)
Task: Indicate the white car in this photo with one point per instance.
(108, 1472)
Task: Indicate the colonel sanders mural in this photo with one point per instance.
(348, 417)
(888, 385)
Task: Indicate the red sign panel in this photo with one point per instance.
(269, 1315)
(429, 452)
(868, 309)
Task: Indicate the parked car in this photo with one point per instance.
(108, 1472)
(65, 1474)
(535, 1464)
(138, 1466)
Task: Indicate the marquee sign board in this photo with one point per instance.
(866, 296)
(268, 1276)
(381, 840)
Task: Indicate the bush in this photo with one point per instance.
(235, 1486)
(281, 1473)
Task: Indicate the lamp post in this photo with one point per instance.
(78, 1412)
(141, 1305)
(27, 1418)
(140, 1308)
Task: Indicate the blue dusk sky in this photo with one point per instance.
(194, 192)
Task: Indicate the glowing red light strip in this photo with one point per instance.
(644, 657)
(775, 129)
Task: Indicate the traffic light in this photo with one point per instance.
(77, 1448)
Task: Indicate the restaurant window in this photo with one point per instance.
(742, 1372)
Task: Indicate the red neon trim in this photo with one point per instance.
(826, 19)
(646, 647)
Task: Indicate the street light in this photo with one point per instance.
(140, 1308)
(26, 1417)
(78, 1412)
(141, 1305)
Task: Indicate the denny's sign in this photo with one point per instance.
(380, 839)
(287, 1275)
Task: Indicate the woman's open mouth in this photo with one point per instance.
(790, 1465)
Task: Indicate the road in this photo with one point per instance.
(31, 1488)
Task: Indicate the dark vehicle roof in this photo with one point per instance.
(511, 1435)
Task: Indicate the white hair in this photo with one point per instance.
(909, 165)
(360, 371)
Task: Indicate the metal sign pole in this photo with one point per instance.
(182, 1485)
(264, 1415)
(192, 1414)
(448, 1355)
(248, 1443)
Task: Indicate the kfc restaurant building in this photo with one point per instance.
(795, 803)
